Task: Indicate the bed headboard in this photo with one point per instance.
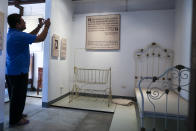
(152, 61)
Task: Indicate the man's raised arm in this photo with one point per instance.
(42, 36)
(39, 26)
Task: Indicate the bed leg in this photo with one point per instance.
(153, 129)
(143, 129)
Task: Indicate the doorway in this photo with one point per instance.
(31, 14)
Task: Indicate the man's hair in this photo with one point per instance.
(13, 19)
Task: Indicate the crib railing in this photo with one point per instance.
(174, 79)
(91, 81)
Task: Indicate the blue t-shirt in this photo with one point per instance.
(18, 55)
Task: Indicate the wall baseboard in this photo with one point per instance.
(1, 126)
(47, 104)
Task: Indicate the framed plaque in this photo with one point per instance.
(63, 49)
(55, 46)
(1, 30)
(103, 32)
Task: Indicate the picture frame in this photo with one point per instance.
(103, 32)
(1, 30)
(55, 46)
(63, 49)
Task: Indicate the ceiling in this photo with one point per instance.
(12, 2)
(98, 6)
(95, 6)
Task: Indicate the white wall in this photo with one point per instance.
(182, 42)
(3, 8)
(138, 29)
(56, 72)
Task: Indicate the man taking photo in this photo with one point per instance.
(17, 64)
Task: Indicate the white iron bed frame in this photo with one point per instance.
(92, 82)
(159, 85)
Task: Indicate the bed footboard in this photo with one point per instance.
(170, 88)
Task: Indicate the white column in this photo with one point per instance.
(3, 9)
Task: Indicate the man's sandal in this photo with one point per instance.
(22, 122)
(24, 115)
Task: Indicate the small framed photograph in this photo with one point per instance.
(63, 49)
(1, 30)
(55, 46)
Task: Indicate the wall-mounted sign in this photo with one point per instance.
(55, 46)
(63, 49)
(1, 30)
(103, 32)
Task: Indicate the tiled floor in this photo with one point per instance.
(34, 94)
(58, 119)
(29, 93)
(125, 118)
